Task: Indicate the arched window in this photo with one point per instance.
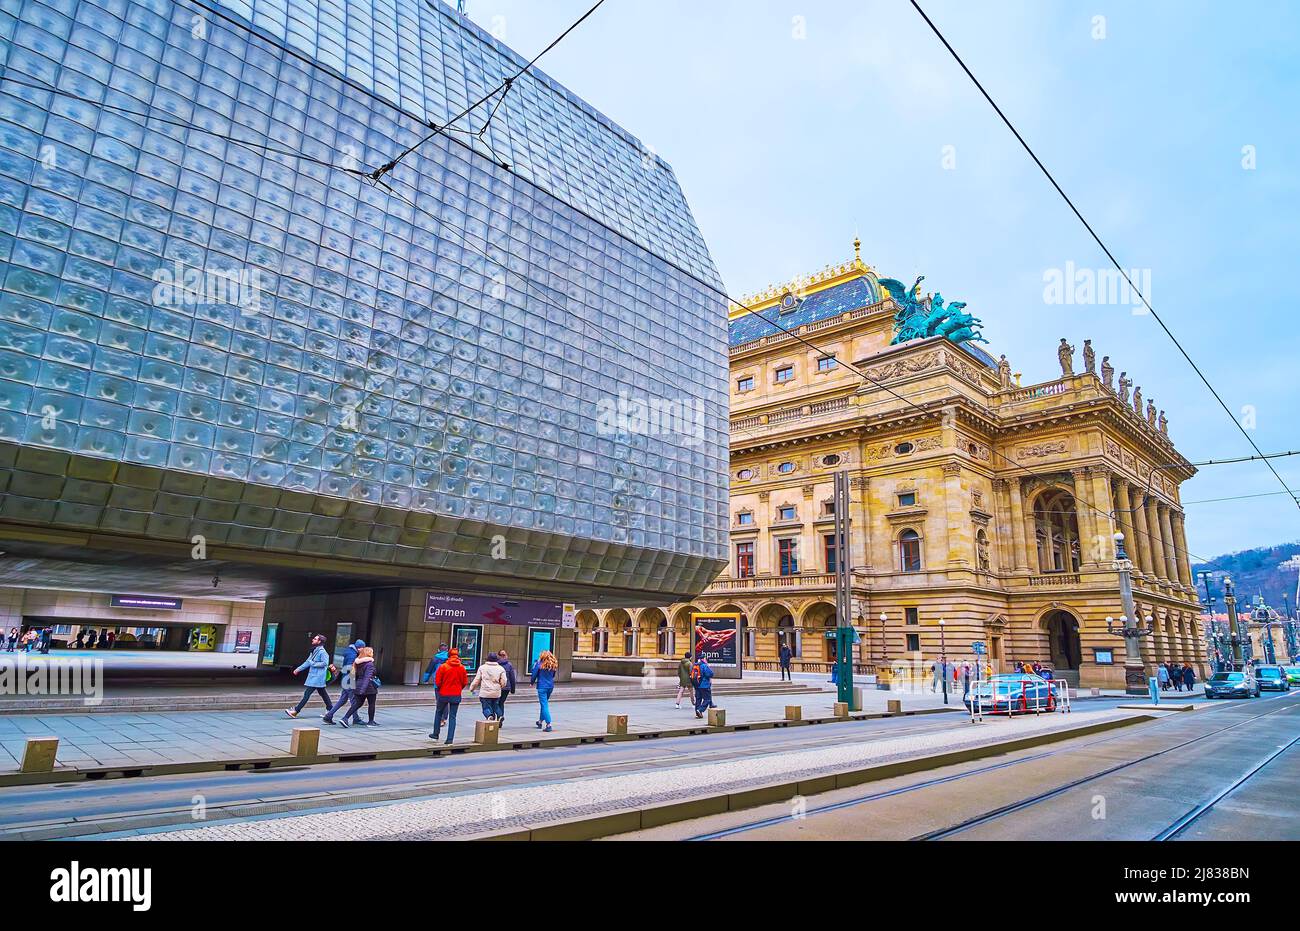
(909, 551)
(1056, 531)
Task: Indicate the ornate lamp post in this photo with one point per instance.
(1216, 647)
(1135, 671)
(1233, 628)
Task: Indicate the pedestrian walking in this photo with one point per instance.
(367, 689)
(935, 673)
(684, 679)
(1189, 676)
(783, 655)
(91, 636)
(1176, 676)
(543, 676)
(1162, 676)
(348, 681)
(110, 638)
(47, 635)
(13, 639)
(317, 666)
(432, 669)
(79, 642)
(511, 683)
(448, 684)
(702, 676)
(965, 680)
(489, 681)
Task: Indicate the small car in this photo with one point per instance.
(1273, 678)
(1010, 693)
(1232, 685)
(1292, 674)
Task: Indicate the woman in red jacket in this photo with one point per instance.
(449, 682)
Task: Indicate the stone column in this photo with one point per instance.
(1184, 558)
(1002, 534)
(1142, 544)
(1159, 566)
(1103, 516)
(1018, 528)
(1171, 550)
(961, 538)
(1084, 513)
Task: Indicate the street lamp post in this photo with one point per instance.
(1135, 672)
(943, 660)
(1234, 629)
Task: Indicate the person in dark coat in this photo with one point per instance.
(349, 681)
(784, 655)
(1189, 676)
(367, 689)
(511, 683)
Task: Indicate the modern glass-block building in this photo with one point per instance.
(503, 369)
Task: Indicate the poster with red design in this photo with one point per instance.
(716, 637)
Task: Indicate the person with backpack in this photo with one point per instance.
(684, 679)
(511, 682)
(543, 676)
(317, 666)
(367, 689)
(490, 681)
(349, 682)
(431, 670)
(448, 684)
(702, 676)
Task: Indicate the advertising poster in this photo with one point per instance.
(468, 639)
(486, 610)
(717, 638)
(203, 639)
(342, 637)
(272, 641)
(243, 641)
(540, 639)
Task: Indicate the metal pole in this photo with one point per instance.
(943, 660)
(1234, 630)
(843, 593)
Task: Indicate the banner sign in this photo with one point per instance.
(151, 602)
(716, 637)
(477, 609)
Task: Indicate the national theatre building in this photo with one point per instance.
(982, 509)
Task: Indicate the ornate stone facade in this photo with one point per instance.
(976, 501)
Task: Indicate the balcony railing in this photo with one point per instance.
(1054, 579)
(812, 580)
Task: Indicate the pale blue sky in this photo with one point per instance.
(786, 147)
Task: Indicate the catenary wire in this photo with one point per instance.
(1104, 248)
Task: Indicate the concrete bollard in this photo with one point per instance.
(857, 698)
(717, 717)
(38, 755)
(486, 732)
(616, 724)
(305, 743)
(894, 706)
(794, 712)
(841, 709)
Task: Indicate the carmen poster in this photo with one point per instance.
(478, 609)
(717, 638)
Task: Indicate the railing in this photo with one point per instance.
(797, 665)
(785, 414)
(1051, 389)
(772, 581)
(1054, 579)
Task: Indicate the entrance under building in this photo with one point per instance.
(1063, 640)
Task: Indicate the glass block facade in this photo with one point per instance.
(203, 301)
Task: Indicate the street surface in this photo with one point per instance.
(1226, 771)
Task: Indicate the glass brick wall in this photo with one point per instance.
(195, 275)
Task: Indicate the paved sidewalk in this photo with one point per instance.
(156, 738)
(501, 809)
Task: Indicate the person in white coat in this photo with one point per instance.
(490, 681)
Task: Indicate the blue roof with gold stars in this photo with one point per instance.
(858, 292)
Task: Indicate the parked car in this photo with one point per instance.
(1232, 685)
(1273, 678)
(1292, 674)
(1011, 693)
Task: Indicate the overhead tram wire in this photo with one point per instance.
(1104, 248)
(503, 88)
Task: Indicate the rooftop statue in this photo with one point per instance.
(919, 318)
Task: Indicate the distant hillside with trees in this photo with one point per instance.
(1252, 572)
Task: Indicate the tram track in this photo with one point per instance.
(991, 768)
